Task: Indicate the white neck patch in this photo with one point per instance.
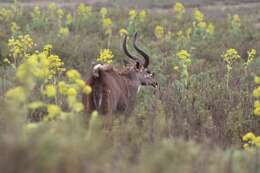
(139, 87)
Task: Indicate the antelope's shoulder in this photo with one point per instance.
(102, 67)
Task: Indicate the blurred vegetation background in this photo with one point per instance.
(194, 123)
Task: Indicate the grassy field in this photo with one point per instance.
(204, 118)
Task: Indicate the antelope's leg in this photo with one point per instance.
(108, 121)
(108, 110)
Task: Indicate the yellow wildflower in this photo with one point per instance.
(183, 54)
(71, 92)
(257, 103)
(20, 46)
(103, 12)
(107, 22)
(251, 56)
(14, 28)
(256, 92)
(52, 6)
(60, 13)
(62, 88)
(105, 56)
(84, 10)
(36, 12)
(50, 91)
(53, 110)
(142, 15)
(179, 10)
(230, 56)
(73, 74)
(210, 28)
(198, 15)
(69, 19)
(16, 94)
(159, 32)
(132, 14)
(257, 111)
(123, 32)
(249, 137)
(257, 79)
(257, 141)
(63, 32)
(202, 25)
(80, 83)
(87, 89)
(236, 22)
(246, 146)
(6, 14)
(189, 32)
(36, 105)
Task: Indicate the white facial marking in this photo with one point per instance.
(139, 87)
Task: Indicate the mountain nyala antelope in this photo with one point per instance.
(115, 90)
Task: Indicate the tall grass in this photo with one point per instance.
(195, 121)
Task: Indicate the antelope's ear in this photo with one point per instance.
(138, 65)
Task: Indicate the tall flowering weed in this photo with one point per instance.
(39, 72)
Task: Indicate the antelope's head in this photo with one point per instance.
(138, 70)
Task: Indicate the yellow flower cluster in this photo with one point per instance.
(70, 89)
(201, 24)
(35, 72)
(235, 22)
(141, 16)
(84, 11)
(16, 95)
(122, 32)
(15, 28)
(132, 14)
(179, 10)
(53, 112)
(69, 19)
(6, 15)
(52, 6)
(50, 91)
(211, 28)
(20, 46)
(106, 22)
(105, 56)
(231, 56)
(251, 140)
(60, 13)
(185, 62)
(39, 66)
(36, 12)
(183, 55)
(159, 32)
(256, 94)
(63, 32)
(198, 15)
(107, 25)
(251, 56)
(103, 12)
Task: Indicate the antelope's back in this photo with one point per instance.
(105, 92)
